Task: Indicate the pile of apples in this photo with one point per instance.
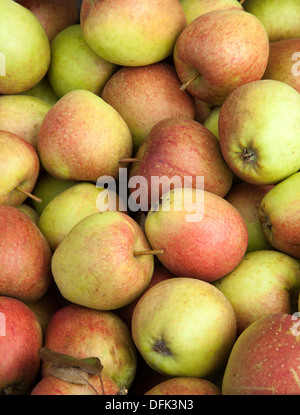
(106, 287)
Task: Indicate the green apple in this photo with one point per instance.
(83, 138)
(145, 95)
(96, 264)
(279, 215)
(201, 234)
(279, 17)
(246, 198)
(74, 65)
(23, 115)
(264, 282)
(42, 90)
(130, 33)
(258, 131)
(265, 359)
(46, 188)
(19, 169)
(211, 122)
(30, 212)
(184, 327)
(68, 208)
(194, 8)
(24, 47)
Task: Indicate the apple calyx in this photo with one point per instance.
(161, 348)
(185, 84)
(248, 156)
(149, 252)
(37, 199)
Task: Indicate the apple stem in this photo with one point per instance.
(189, 81)
(37, 199)
(150, 252)
(242, 1)
(129, 160)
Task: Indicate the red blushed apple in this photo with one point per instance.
(145, 95)
(160, 273)
(20, 341)
(83, 332)
(265, 359)
(283, 63)
(51, 385)
(184, 386)
(220, 51)
(25, 256)
(180, 148)
(54, 15)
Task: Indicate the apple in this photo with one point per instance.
(54, 15)
(22, 115)
(203, 237)
(51, 385)
(82, 138)
(184, 386)
(42, 90)
(283, 62)
(220, 51)
(195, 8)
(25, 49)
(146, 95)
(279, 17)
(130, 33)
(264, 282)
(19, 169)
(184, 327)
(68, 208)
(109, 273)
(74, 65)
(20, 341)
(25, 256)
(279, 215)
(246, 198)
(177, 148)
(30, 212)
(212, 120)
(265, 359)
(160, 273)
(46, 188)
(258, 131)
(83, 332)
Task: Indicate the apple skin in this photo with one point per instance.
(106, 275)
(184, 386)
(20, 362)
(212, 120)
(146, 95)
(264, 282)
(246, 198)
(280, 63)
(54, 15)
(181, 147)
(219, 37)
(68, 208)
(279, 215)
(25, 256)
(184, 327)
(27, 53)
(74, 65)
(19, 167)
(130, 33)
(30, 212)
(46, 188)
(83, 332)
(265, 359)
(42, 90)
(55, 386)
(195, 8)
(22, 115)
(82, 138)
(202, 110)
(258, 131)
(160, 273)
(280, 18)
(206, 249)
